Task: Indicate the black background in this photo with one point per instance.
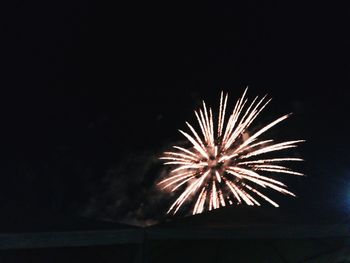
(87, 86)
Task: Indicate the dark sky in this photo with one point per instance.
(89, 87)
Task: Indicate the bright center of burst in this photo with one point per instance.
(213, 162)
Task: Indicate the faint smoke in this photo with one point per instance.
(128, 192)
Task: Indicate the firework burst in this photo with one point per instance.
(225, 166)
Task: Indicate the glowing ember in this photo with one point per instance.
(222, 167)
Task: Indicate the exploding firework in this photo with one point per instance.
(225, 166)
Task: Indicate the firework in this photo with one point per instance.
(224, 165)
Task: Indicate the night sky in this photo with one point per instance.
(92, 94)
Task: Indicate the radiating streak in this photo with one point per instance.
(186, 151)
(243, 125)
(251, 198)
(187, 177)
(227, 157)
(191, 166)
(183, 196)
(259, 110)
(198, 201)
(210, 201)
(254, 174)
(215, 205)
(211, 127)
(232, 121)
(202, 202)
(261, 195)
(206, 137)
(189, 190)
(196, 135)
(175, 176)
(179, 155)
(218, 176)
(177, 162)
(236, 153)
(207, 124)
(248, 111)
(221, 198)
(261, 131)
(176, 159)
(233, 191)
(262, 161)
(255, 112)
(271, 148)
(280, 171)
(182, 183)
(195, 144)
(251, 146)
(222, 114)
(272, 166)
(241, 194)
(201, 125)
(257, 181)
